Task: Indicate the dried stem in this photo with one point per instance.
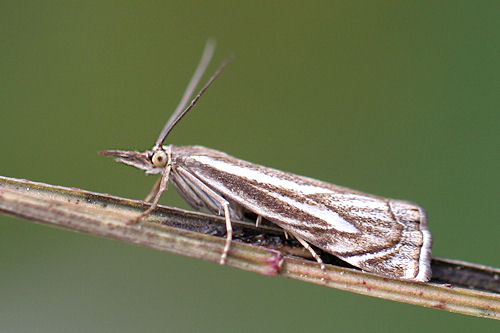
(455, 286)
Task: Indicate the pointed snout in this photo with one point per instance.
(137, 159)
(117, 153)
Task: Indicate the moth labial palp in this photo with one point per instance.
(379, 235)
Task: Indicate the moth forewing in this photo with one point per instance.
(379, 235)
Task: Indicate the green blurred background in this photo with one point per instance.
(394, 98)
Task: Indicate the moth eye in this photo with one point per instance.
(159, 159)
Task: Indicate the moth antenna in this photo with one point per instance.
(181, 109)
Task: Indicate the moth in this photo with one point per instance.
(379, 235)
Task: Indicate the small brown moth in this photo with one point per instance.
(379, 235)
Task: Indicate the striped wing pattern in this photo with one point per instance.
(379, 235)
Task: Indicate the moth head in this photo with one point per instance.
(158, 158)
(151, 161)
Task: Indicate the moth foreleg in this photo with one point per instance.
(162, 187)
(311, 250)
(223, 203)
(154, 191)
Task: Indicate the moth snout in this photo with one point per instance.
(114, 153)
(141, 160)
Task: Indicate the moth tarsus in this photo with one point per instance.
(379, 235)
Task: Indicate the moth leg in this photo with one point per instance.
(162, 187)
(154, 190)
(223, 203)
(258, 220)
(311, 250)
(229, 232)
